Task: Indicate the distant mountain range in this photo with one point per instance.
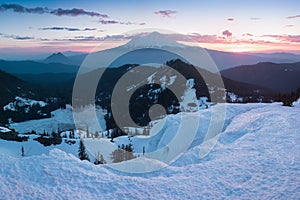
(141, 45)
(281, 78)
(237, 87)
(226, 60)
(154, 47)
(34, 67)
(159, 48)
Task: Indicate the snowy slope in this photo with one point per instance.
(23, 102)
(62, 119)
(256, 157)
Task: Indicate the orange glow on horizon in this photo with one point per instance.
(93, 46)
(244, 48)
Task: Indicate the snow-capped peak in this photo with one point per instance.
(152, 40)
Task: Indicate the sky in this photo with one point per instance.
(31, 27)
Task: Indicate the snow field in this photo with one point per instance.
(256, 157)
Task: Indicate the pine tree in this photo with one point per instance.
(96, 134)
(102, 161)
(99, 159)
(87, 132)
(145, 131)
(22, 150)
(73, 134)
(129, 152)
(82, 152)
(136, 132)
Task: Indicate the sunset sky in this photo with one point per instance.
(236, 26)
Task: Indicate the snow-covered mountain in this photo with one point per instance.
(158, 41)
(23, 103)
(152, 40)
(148, 48)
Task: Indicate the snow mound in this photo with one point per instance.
(256, 156)
(138, 165)
(297, 103)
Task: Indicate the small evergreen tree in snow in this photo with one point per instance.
(102, 161)
(87, 132)
(145, 131)
(136, 132)
(82, 152)
(129, 152)
(99, 159)
(22, 150)
(96, 134)
(44, 133)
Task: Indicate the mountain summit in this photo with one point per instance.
(152, 40)
(57, 58)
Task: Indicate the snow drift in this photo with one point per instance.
(256, 156)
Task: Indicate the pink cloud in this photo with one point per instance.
(227, 33)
